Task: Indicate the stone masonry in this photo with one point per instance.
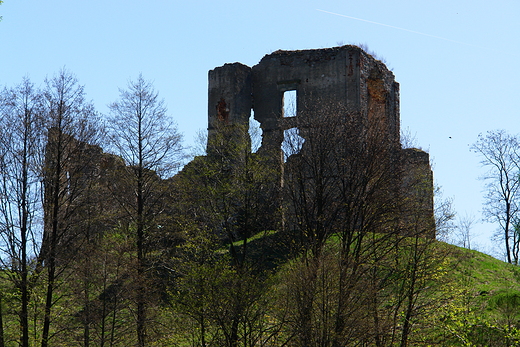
(346, 76)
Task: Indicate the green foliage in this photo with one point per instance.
(480, 301)
(202, 255)
(466, 298)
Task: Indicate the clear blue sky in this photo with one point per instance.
(456, 62)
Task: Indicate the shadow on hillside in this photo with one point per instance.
(270, 250)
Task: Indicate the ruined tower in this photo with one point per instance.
(347, 78)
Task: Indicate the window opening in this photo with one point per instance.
(255, 133)
(289, 102)
(292, 142)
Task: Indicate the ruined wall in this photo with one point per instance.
(353, 83)
(229, 97)
(336, 76)
(84, 178)
(345, 76)
(417, 188)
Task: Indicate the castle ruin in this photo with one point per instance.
(344, 78)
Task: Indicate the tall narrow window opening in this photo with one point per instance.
(290, 102)
(255, 133)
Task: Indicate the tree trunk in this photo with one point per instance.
(506, 231)
(48, 304)
(233, 338)
(24, 287)
(2, 341)
(141, 288)
(50, 254)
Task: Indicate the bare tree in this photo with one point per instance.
(409, 139)
(150, 145)
(347, 179)
(21, 145)
(444, 215)
(338, 180)
(499, 152)
(71, 125)
(465, 224)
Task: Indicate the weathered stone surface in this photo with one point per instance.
(345, 78)
(229, 95)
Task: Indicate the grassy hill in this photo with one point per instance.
(471, 299)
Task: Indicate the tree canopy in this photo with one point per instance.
(106, 239)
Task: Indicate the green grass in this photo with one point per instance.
(475, 281)
(483, 273)
(257, 236)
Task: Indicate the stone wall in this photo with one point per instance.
(344, 79)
